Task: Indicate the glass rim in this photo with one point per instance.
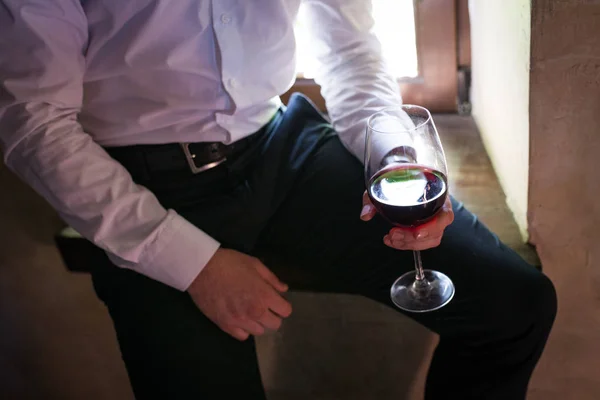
(402, 107)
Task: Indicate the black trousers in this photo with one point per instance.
(294, 201)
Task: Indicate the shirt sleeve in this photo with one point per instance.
(42, 43)
(354, 78)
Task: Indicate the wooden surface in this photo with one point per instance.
(435, 21)
(463, 28)
(57, 342)
(473, 181)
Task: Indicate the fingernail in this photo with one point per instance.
(422, 235)
(399, 243)
(398, 235)
(365, 210)
(387, 241)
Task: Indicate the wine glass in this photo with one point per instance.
(406, 176)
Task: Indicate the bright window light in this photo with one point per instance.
(395, 29)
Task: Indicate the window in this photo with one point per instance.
(419, 42)
(395, 29)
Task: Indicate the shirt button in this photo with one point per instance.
(232, 83)
(225, 18)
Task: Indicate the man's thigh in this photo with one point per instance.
(171, 350)
(317, 234)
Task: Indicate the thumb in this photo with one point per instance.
(368, 211)
(270, 277)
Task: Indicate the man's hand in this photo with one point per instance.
(239, 294)
(422, 237)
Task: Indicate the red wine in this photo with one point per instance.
(408, 194)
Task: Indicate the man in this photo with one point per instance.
(155, 129)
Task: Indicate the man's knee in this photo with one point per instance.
(546, 300)
(533, 302)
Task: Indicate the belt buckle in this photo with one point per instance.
(192, 164)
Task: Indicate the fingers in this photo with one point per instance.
(264, 313)
(270, 277)
(446, 215)
(412, 244)
(255, 318)
(258, 317)
(270, 321)
(274, 301)
(279, 305)
(261, 312)
(236, 332)
(244, 329)
(424, 236)
(368, 211)
(436, 226)
(240, 295)
(252, 327)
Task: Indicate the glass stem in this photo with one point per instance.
(420, 276)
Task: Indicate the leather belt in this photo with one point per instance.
(195, 157)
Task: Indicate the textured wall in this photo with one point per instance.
(500, 93)
(564, 191)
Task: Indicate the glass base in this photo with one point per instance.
(431, 294)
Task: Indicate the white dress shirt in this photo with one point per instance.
(76, 75)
